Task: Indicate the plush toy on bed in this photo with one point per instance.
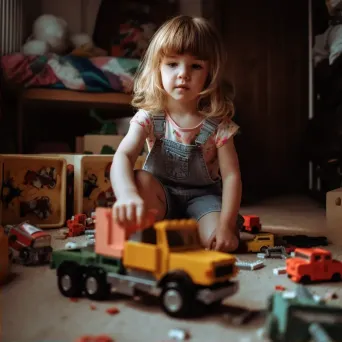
(51, 35)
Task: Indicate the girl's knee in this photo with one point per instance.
(142, 179)
(150, 190)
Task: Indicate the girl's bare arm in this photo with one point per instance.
(121, 173)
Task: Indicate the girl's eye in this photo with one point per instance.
(172, 65)
(197, 66)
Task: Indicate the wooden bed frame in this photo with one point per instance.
(56, 97)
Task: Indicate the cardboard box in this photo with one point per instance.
(334, 216)
(33, 188)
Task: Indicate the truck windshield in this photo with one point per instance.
(302, 256)
(182, 238)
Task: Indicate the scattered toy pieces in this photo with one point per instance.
(62, 236)
(71, 245)
(251, 266)
(93, 307)
(277, 252)
(280, 288)
(178, 334)
(279, 270)
(261, 255)
(73, 299)
(113, 310)
(100, 338)
(330, 295)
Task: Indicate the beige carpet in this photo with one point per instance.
(34, 311)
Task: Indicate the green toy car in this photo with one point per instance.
(290, 316)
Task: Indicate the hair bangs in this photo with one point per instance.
(186, 39)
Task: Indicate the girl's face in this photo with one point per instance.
(183, 76)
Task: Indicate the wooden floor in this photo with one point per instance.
(34, 311)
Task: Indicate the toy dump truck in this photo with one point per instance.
(313, 264)
(298, 317)
(172, 266)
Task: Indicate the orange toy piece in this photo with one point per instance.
(77, 225)
(100, 338)
(113, 236)
(252, 224)
(313, 264)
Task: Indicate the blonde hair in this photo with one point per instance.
(181, 35)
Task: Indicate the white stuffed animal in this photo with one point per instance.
(51, 34)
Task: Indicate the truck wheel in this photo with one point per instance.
(263, 249)
(95, 284)
(70, 281)
(24, 256)
(336, 277)
(305, 279)
(176, 299)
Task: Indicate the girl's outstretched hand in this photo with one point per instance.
(224, 240)
(129, 210)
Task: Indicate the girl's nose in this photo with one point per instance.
(184, 73)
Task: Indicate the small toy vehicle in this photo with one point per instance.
(276, 252)
(290, 316)
(313, 264)
(260, 243)
(252, 224)
(30, 244)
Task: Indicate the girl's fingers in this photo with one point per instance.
(131, 213)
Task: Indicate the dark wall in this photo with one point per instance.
(267, 45)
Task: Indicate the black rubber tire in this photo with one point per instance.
(263, 249)
(336, 277)
(180, 292)
(100, 288)
(73, 275)
(24, 256)
(305, 279)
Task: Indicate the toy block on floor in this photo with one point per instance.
(334, 216)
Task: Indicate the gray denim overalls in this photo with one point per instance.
(181, 169)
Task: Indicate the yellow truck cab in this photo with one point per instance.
(260, 242)
(178, 248)
(172, 265)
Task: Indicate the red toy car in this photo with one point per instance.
(31, 244)
(252, 224)
(313, 264)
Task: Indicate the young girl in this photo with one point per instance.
(184, 115)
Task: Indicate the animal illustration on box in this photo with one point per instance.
(46, 176)
(89, 185)
(106, 198)
(40, 206)
(107, 172)
(9, 191)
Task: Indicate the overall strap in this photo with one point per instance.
(208, 128)
(159, 125)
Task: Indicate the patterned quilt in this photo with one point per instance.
(97, 74)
